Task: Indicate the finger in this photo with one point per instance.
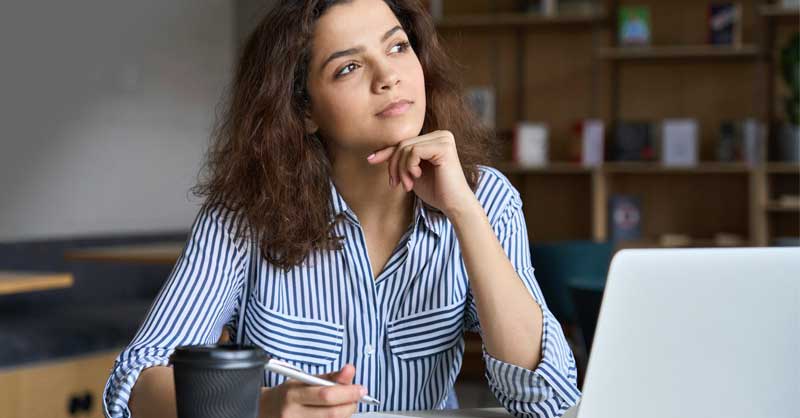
(328, 395)
(343, 376)
(394, 176)
(405, 176)
(344, 411)
(412, 164)
(430, 151)
(382, 155)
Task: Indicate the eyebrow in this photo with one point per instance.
(356, 50)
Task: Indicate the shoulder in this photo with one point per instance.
(216, 222)
(496, 193)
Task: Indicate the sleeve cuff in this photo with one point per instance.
(118, 388)
(555, 374)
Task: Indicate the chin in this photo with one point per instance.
(401, 132)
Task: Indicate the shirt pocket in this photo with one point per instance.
(293, 338)
(426, 333)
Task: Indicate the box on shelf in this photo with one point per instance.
(674, 240)
(679, 142)
(725, 23)
(634, 25)
(531, 144)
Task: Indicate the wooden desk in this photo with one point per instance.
(156, 253)
(13, 282)
(454, 413)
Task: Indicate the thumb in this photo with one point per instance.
(343, 376)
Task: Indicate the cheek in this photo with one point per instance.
(338, 110)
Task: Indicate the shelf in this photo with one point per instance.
(694, 243)
(506, 20)
(783, 168)
(679, 52)
(778, 207)
(658, 168)
(551, 168)
(625, 168)
(780, 13)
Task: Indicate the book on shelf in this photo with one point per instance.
(634, 25)
(530, 146)
(725, 23)
(482, 101)
(435, 8)
(790, 4)
(632, 141)
(625, 217)
(679, 145)
(740, 141)
(592, 142)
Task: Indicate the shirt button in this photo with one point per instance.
(369, 350)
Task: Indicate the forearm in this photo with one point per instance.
(510, 318)
(153, 395)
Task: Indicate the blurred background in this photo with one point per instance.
(624, 124)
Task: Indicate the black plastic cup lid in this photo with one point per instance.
(226, 356)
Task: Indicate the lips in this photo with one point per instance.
(395, 108)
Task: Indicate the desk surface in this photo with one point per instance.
(13, 282)
(454, 413)
(156, 253)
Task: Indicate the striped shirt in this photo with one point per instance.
(403, 330)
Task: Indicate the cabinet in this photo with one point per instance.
(69, 388)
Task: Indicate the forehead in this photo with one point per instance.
(351, 24)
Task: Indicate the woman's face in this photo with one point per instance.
(361, 63)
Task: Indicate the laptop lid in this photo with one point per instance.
(697, 333)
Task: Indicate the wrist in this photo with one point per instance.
(465, 214)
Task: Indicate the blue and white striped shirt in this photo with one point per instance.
(403, 330)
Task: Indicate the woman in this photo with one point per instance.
(344, 201)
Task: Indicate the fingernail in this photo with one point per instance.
(363, 391)
(371, 156)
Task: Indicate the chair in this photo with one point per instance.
(571, 275)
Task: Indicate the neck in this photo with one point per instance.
(366, 190)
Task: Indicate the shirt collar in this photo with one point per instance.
(430, 217)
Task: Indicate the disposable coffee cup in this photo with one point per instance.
(218, 381)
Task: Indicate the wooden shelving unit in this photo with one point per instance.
(778, 207)
(657, 168)
(783, 168)
(773, 11)
(565, 68)
(509, 20)
(677, 52)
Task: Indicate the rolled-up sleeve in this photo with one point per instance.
(551, 388)
(200, 296)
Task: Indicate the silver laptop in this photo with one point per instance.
(697, 333)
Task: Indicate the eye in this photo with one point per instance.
(349, 68)
(403, 46)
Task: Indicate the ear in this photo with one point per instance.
(311, 126)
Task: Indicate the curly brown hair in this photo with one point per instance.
(263, 167)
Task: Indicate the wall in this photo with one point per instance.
(106, 111)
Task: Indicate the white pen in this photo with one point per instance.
(292, 372)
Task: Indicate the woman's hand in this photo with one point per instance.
(428, 165)
(293, 399)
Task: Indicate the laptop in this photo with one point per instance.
(705, 333)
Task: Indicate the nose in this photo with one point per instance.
(386, 77)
